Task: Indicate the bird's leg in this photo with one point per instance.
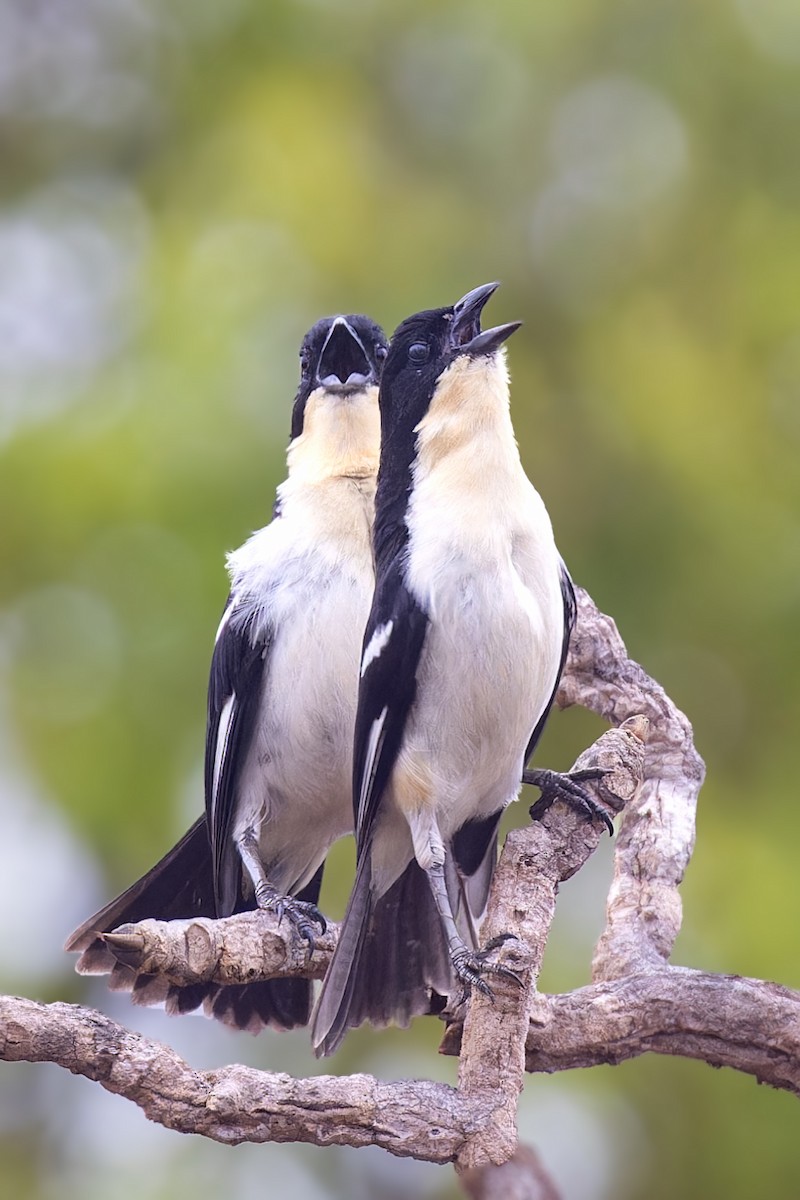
(469, 965)
(303, 916)
(567, 786)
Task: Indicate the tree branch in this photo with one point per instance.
(656, 835)
(245, 948)
(236, 1104)
(637, 1003)
(522, 903)
(725, 1020)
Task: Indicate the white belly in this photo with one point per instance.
(488, 669)
(295, 789)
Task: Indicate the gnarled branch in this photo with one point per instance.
(725, 1020)
(235, 1104)
(637, 1002)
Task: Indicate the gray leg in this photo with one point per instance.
(470, 966)
(302, 915)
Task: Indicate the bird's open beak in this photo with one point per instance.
(344, 365)
(466, 336)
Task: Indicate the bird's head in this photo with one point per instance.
(438, 351)
(335, 415)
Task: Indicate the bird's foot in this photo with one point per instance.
(304, 917)
(470, 967)
(567, 786)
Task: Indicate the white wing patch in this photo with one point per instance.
(377, 643)
(223, 733)
(373, 749)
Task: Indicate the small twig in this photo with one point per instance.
(233, 950)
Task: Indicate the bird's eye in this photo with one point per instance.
(418, 353)
(381, 352)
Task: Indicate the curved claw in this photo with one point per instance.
(300, 912)
(588, 774)
(567, 787)
(470, 967)
(303, 916)
(495, 942)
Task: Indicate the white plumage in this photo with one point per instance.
(303, 585)
(483, 563)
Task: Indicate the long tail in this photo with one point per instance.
(390, 957)
(470, 867)
(181, 886)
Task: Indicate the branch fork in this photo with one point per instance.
(635, 1003)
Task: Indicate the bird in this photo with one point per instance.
(281, 697)
(463, 650)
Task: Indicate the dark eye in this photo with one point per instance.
(381, 352)
(418, 353)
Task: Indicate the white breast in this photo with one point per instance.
(482, 561)
(309, 576)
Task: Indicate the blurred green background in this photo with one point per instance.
(185, 187)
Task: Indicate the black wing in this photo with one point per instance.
(570, 617)
(235, 687)
(392, 647)
(181, 886)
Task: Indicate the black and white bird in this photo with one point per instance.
(282, 693)
(464, 647)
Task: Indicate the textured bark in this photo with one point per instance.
(656, 835)
(238, 1104)
(637, 1003)
(522, 903)
(234, 950)
(725, 1020)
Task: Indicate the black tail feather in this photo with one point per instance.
(473, 857)
(271, 1003)
(332, 1017)
(181, 886)
(391, 955)
(274, 1003)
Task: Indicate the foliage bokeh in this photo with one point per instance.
(185, 188)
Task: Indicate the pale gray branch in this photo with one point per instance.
(637, 1003)
(656, 835)
(725, 1020)
(233, 950)
(234, 1104)
(522, 903)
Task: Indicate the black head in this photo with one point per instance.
(423, 349)
(429, 342)
(343, 356)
